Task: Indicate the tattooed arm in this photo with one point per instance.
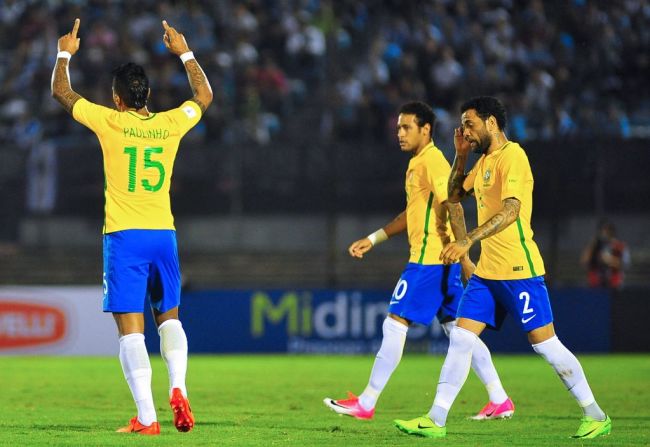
(175, 42)
(457, 220)
(455, 189)
(199, 83)
(61, 88)
(498, 222)
(501, 220)
(456, 178)
(457, 223)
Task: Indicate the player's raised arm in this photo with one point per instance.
(456, 192)
(176, 44)
(61, 89)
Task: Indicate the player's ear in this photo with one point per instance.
(492, 122)
(117, 101)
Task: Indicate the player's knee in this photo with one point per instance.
(462, 340)
(552, 349)
(394, 326)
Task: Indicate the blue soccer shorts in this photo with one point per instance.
(141, 265)
(424, 291)
(489, 301)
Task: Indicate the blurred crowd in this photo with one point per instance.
(563, 67)
(316, 72)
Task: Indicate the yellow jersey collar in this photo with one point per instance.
(498, 151)
(425, 148)
(141, 117)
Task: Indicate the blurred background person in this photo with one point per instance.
(606, 257)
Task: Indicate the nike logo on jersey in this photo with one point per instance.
(526, 320)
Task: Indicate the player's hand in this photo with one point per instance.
(455, 251)
(70, 42)
(460, 143)
(360, 247)
(467, 267)
(173, 40)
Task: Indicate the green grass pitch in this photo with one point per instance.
(277, 400)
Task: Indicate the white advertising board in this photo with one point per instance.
(55, 320)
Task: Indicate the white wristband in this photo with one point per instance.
(378, 237)
(63, 55)
(187, 56)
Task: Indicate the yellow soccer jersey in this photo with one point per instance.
(426, 217)
(512, 253)
(139, 153)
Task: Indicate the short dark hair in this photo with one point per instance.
(423, 113)
(486, 106)
(131, 84)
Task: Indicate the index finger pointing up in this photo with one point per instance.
(75, 28)
(165, 25)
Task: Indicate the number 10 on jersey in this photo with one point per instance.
(132, 152)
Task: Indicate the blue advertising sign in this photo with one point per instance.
(349, 322)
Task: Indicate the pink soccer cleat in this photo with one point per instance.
(496, 411)
(350, 407)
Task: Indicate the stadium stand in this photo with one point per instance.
(306, 93)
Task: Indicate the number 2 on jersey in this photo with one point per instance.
(132, 152)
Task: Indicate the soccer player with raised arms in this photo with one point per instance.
(426, 288)
(139, 244)
(509, 274)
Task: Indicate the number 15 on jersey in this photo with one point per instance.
(149, 163)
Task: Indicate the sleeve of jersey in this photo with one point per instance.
(513, 172)
(186, 116)
(89, 114)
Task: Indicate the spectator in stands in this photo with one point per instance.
(606, 257)
(565, 67)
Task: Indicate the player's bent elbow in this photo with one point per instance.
(57, 96)
(208, 100)
(203, 100)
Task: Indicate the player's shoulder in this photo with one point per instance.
(84, 104)
(516, 147)
(437, 157)
(189, 109)
(513, 150)
(84, 110)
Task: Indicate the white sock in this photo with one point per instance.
(484, 368)
(388, 357)
(137, 371)
(173, 349)
(568, 369)
(453, 374)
